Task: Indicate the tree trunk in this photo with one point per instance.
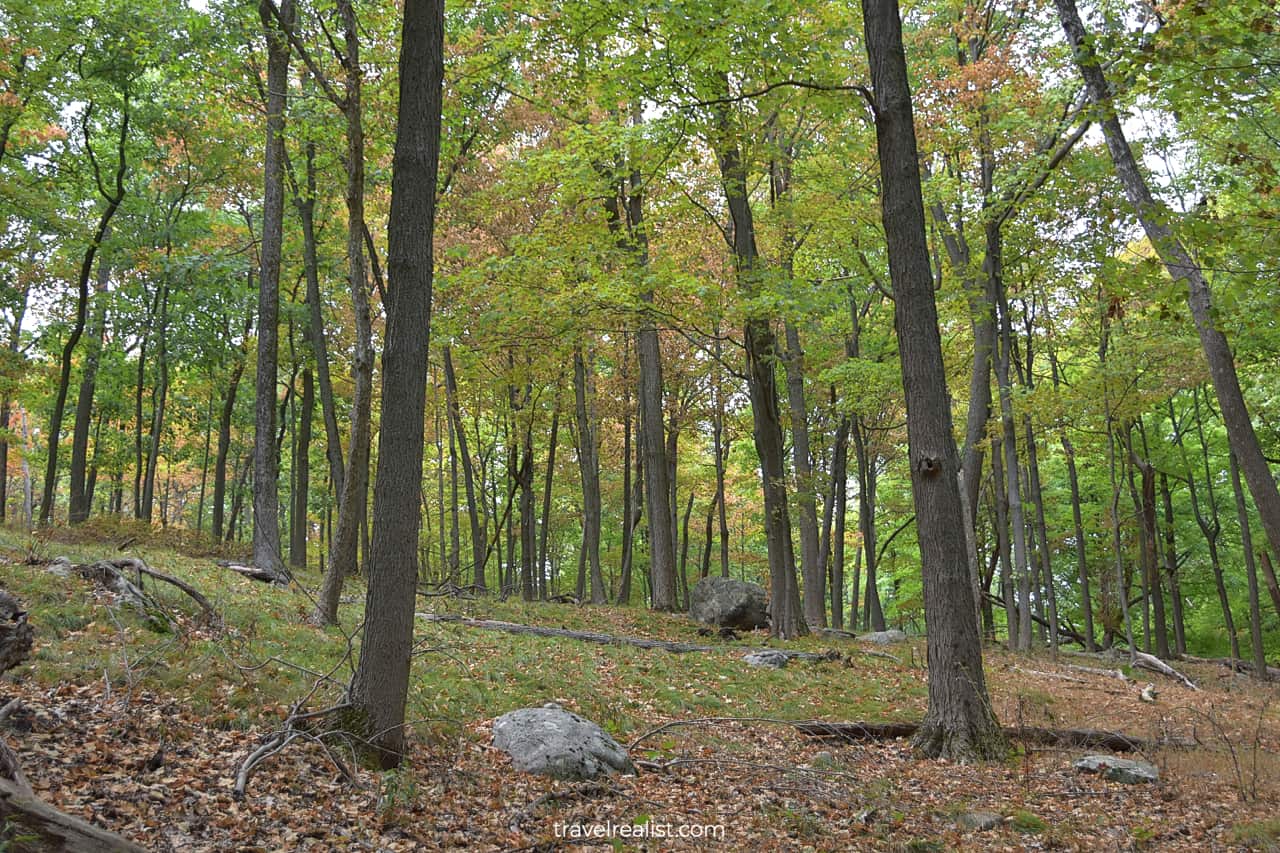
(79, 503)
(112, 199)
(302, 475)
(1171, 569)
(834, 556)
(1212, 530)
(720, 448)
(1251, 572)
(224, 443)
(959, 723)
(589, 468)
(786, 617)
(266, 464)
(1269, 572)
(479, 545)
(1150, 563)
(1046, 588)
(1021, 640)
(380, 685)
(306, 205)
(159, 398)
(6, 405)
(544, 529)
(1181, 267)
(872, 614)
(1082, 562)
(811, 570)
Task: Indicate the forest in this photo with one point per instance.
(953, 325)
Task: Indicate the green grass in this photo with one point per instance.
(269, 655)
(1258, 835)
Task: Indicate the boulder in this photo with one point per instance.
(1127, 770)
(729, 603)
(883, 638)
(767, 657)
(551, 741)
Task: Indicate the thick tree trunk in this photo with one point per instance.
(589, 468)
(959, 723)
(1269, 572)
(266, 464)
(380, 685)
(1181, 267)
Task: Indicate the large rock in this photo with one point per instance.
(554, 742)
(729, 602)
(883, 638)
(1125, 770)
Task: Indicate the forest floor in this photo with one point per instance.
(142, 732)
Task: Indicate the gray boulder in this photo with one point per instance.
(883, 638)
(767, 657)
(729, 602)
(551, 741)
(1126, 770)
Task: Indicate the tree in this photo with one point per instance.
(959, 724)
(266, 462)
(381, 683)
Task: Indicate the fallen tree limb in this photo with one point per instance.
(584, 636)
(295, 727)
(30, 824)
(135, 565)
(1154, 664)
(1081, 738)
(1236, 665)
(257, 574)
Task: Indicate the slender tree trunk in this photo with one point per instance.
(1171, 569)
(1269, 572)
(1214, 527)
(6, 405)
(1000, 504)
(224, 444)
(302, 475)
(204, 461)
(1151, 563)
(112, 197)
(872, 614)
(720, 448)
(306, 204)
(1251, 573)
(760, 342)
(479, 545)
(544, 529)
(834, 556)
(811, 570)
(266, 464)
(79, 504)
(959, 723)
(1047, 588)
(1082, 562)
(159, 398)
(1013, 488)
(380, 686)
(684, 553)
(1180, 265)
(589, 468)
(633, 500)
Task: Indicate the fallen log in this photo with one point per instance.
(30, 824)
(137, 566)
(1237, 665)
(584, 636)
(1154, 664)
(1078, 738)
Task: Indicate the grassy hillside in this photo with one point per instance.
(104, 694)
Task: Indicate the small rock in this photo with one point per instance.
(979, 821)
(822, 761)
(1126, 770)
(883, 638)
(554, 742)
(767, 657)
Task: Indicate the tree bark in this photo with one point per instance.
(159, 399)
(112, 197)
(1251, 572)
(1181, 267)
(959, 723)
(266, 464)
(786, 617)
(544, 528)
(224, 438)
(299, 525)
(79, 502)
(1082, 562)
(1171, 569)
(479, 545)
(589, 468)
(380, 686)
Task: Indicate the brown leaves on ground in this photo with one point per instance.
(93, 752)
